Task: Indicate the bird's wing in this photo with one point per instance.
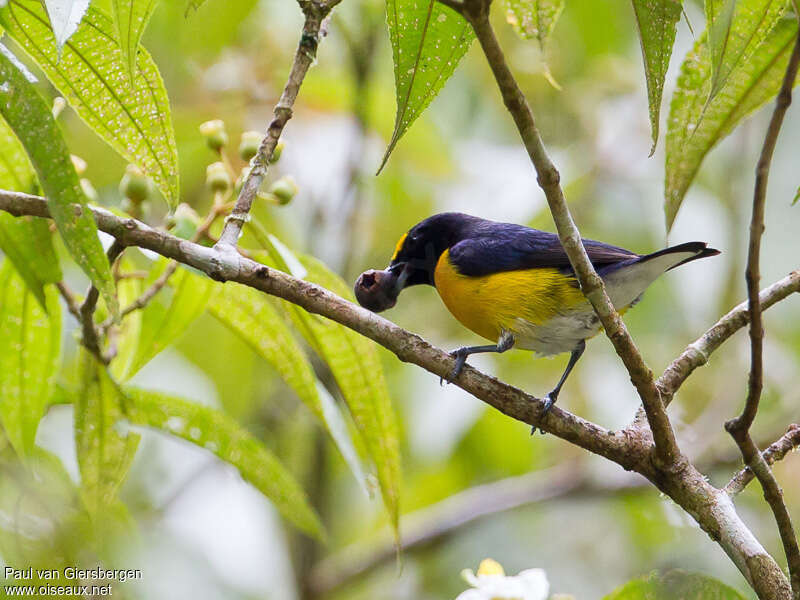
(513, 248)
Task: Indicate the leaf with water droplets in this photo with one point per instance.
(224, 437)
(30, 118)
(26, 241)
(133, 117)
(65, 16)
(657, 21)
(428, 41)
(104, 453)
(30, 348)
(356, 366)
(735, 30)
(694, 127)
(130, 19)
(162, 325)
(534, 19)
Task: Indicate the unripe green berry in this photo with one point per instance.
(88, 190)
(134, 185)
(217, 177)
(284, 189)
(185, 221)
(248, 147)
(214, 134)
(276, 154)
(78, 163)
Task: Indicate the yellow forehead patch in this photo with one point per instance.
(399, 246)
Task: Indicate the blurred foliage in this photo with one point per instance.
(184, 515)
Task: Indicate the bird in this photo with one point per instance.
(514, 285)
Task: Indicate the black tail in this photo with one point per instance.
(700, 249)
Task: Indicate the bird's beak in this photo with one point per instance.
(378, 290)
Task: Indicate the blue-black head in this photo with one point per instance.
(414, 259)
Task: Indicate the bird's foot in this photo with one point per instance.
(549, 401)
(460, 354)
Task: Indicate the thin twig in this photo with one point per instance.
(69, 299)
(698, 352)
(774, 452)
(739, 427)
(667, 451)
(315, 14)
(90, 331)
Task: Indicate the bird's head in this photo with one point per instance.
(414, 260)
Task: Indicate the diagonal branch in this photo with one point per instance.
(774, 452)
(698, 352)
(315, 13)
(667, 451)
(739, 427)
(89, 331)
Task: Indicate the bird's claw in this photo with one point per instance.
(461, 360)
(549, 401)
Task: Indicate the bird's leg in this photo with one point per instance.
(550, 398)
(506, 342)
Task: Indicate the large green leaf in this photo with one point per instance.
(129, 330)
(161, 326)
(735, 30)
(428, 41)
(65, 16)
(250, 314)
(26, 241)
(104, 454)
(355, 365)
(30, 118)
(224, 437)
(657, 21)
(132, 116)
(692, 131)
(30, 348)
(130, 18)
(672, 585)
(534, 19)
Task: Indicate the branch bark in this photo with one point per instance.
(774, 452)
(666, 447)
(315, 13)
(739, 427)
(631, 449)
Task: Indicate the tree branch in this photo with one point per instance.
(631, 449)
(667, 451)
(315, 13)
(431, 524)
(698, 352)
(89, 331)
(739, 427)
(774, 452)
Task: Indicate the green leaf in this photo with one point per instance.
(657, 21)
(132, 117)
(250, 314)
(692, 131)
(160, 327)
(534, 19)
(130, 18)
(128, 332)
(193, 5)
(672, 585)
(30, 118)
(224, 437)
(26, 241)
(104, 454)
(356, 366)
(735, 30)
(428, 41)
(30, 349)
(65, 16)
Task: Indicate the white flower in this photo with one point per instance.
(491, 583)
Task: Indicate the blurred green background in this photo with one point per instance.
(204, 534)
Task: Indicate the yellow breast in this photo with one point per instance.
(491, 304)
